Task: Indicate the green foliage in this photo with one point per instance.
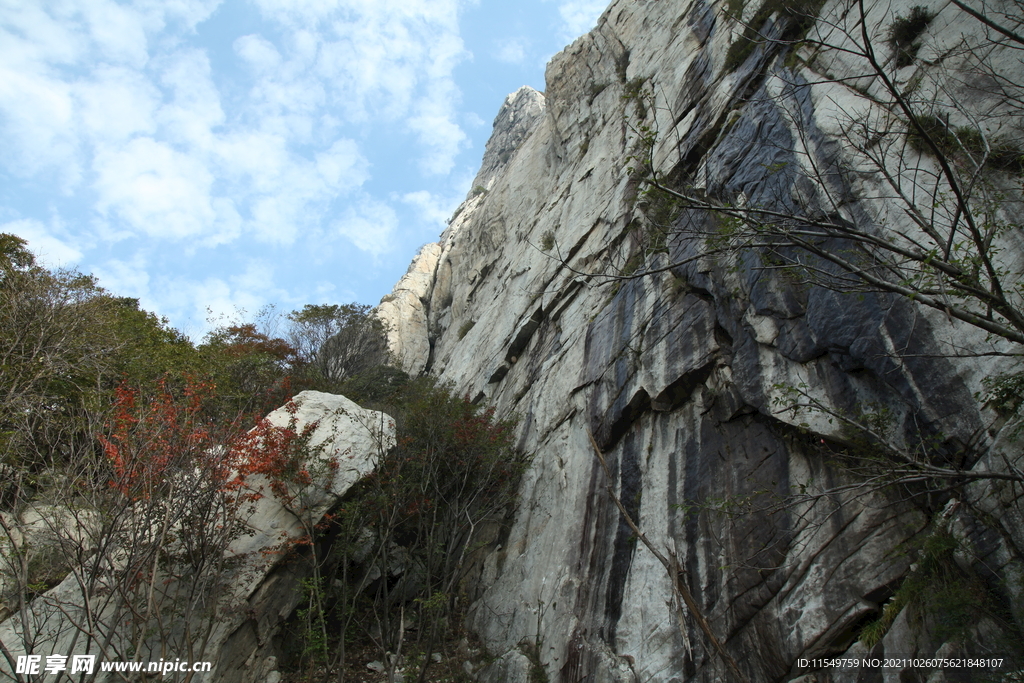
(676, 285)
(46, 568)
(594, 90)
(966, 144)
(1005, 394)
(14, 254)
(56, 356)
(250, 367)
(547, 241)
(649, 235)
(798, 15)
(661, 210)
(452, 458)
(414, 520)
(375, 386)
(735, 7)
(622, 65)
(148, 347)
(633, 264)
(315, 648)
(66, 344)
(905, 31)
(952, 599)
(465, 327)
(479, 190)
(538, 674)
(335, 342)
(633, 91)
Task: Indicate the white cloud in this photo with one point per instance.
(51, 247)
(208, 301)
(64, 65)
(438, 133)
(259, 52)
(119, 107)
(369, 225)
(118, 31)
(115, 104)
(510, 51)
(288, 193)
(385, 61)
(579, 16)
(342, 166)
(433, 209)
(126, 277)
(194, 109)
(157, 190)
(38, 131)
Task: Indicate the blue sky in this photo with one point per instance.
(224, 155)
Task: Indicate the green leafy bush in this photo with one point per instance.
(966, 144)
(905, 31)
(547, 241)
(403, 538)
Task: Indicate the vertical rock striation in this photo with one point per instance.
(679, 375)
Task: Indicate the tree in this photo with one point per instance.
(54, 352)
(338, 341)
(131, 533)
(390, 564)
(253, 370)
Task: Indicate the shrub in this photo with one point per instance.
(938, 587)
(547, 241)
(402, 536)
(966, 144)
(465, 328)
(905, 31)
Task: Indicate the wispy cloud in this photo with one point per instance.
(369, 224)
(511, 50)
(150, 148)
(433, 210)
(112, 97)
(579, 16)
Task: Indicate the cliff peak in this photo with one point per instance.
(517, 117)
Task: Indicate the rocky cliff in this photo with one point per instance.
(687, 376)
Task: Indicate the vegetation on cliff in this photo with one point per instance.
(126, 449)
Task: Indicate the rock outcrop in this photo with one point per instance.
(240, 613)
(684, 376)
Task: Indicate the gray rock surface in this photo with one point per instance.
(682, 376)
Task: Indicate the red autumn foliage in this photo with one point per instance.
(245, 340)
(281, 454)
(150, 439)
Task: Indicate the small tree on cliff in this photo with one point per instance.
(338, 341)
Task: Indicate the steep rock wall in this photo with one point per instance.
(681, 375)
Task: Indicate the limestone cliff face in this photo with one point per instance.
(679, 374)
